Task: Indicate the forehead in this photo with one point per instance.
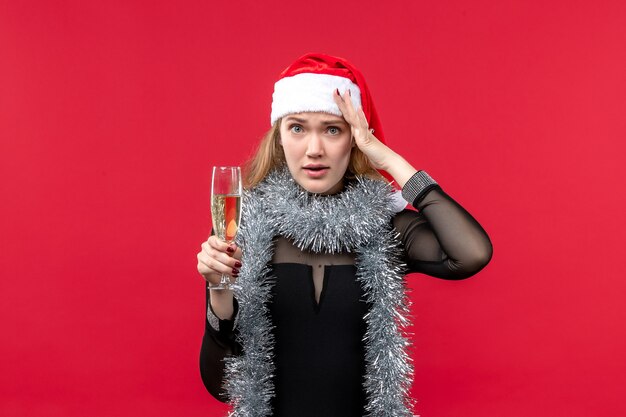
(314, 117)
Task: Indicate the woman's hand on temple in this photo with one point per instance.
(379, 154)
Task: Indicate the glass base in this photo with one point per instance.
(224, 287)
(225, 284)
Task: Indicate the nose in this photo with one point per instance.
(315, 147)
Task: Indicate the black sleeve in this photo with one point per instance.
(442, 239)
(216, 345)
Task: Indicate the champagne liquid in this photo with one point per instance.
(226, 213)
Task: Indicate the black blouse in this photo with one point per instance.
(317, 310)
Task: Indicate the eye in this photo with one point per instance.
(295, 128)
(334, 130)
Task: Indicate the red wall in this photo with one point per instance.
(112, 113)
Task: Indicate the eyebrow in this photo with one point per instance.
(304, 121)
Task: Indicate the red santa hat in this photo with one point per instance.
(308, 85)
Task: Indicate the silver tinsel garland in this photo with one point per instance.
(357, 220)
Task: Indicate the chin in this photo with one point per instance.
(316, 190)
(311, 187)
(319, 187)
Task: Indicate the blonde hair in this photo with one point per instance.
(270, 155)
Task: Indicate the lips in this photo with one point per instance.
(315, 170)
(317, 167)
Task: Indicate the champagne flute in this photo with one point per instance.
(226, 211)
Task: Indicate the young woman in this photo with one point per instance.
(324, 244)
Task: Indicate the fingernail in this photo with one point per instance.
(237, 264)
(230, 249)
(235, 275)
(235, 271)
(337, 91)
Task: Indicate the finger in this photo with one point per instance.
(224, 258)
(367, 134)
(347, 101)
(218, 244)
(343, 101)
(362, 117)
(354, 115)
(209, 266)
(339, 101)
(221, 246)
(208, 273)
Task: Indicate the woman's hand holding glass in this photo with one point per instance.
(219, 258)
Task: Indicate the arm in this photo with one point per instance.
(218, 342)
(221, 308)
(442, 240)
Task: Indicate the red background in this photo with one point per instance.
(112, 113)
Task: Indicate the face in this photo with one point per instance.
(317, 149)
